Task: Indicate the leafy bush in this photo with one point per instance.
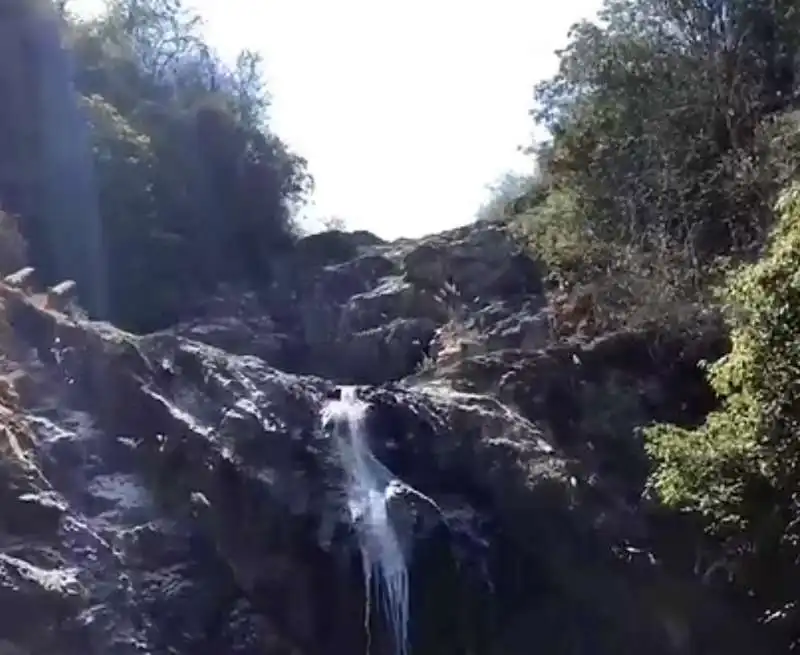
(741, 469)
(559, 233)
(629, 285)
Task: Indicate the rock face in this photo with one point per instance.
(357, 310)
(177, 493)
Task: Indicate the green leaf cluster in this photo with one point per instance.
(740, 470)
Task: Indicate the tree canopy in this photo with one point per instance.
(192, 188)
(657, 115)
(671, 133)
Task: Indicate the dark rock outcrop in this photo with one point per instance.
(177, 493)
(362, 311)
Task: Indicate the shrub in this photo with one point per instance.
(627, 283)
(740, 470)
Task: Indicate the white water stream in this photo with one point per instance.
(370, 488)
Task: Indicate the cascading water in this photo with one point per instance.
(370, 488)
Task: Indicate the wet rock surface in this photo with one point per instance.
(177, 492)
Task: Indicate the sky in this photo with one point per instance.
(405, 111)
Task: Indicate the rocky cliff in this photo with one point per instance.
(177, 493)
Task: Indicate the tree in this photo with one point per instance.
(506, 189)
(655, 114)
(193, 188)
(334, 223)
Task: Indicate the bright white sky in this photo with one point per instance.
(406, 110)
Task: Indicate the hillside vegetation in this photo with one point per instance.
(192, 187)
(674, 135)
(740, 470)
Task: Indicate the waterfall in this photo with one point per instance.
(370, 490)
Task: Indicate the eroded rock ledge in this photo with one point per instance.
(175, 493)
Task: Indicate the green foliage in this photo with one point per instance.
(193, 188)
(629, 286)
(656, 117)
(670, 139)
(210, 192)
(741, 469)
(559, 233)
